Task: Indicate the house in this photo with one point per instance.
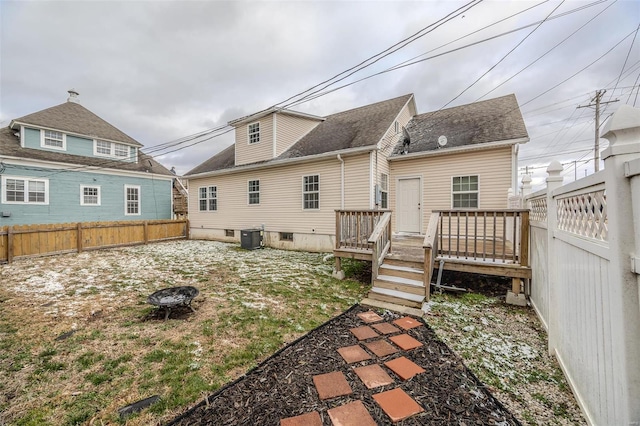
(288, 172)
(66, 164)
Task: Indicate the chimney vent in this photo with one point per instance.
(73, 96)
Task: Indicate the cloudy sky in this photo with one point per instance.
(162, 70)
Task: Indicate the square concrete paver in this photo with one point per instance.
(369, 316)
(404, 368)
(405, 342)
(373, 376)
(353, 354)
(308, 419)
(407, 323)
(381, 347)
(397, 404)
(331, 385)
(385, 328)
(351, 414)
(364, 332)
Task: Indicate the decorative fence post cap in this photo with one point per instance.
(526, 179)
(555, 168)
(626, 117)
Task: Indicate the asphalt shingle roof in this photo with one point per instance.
(492, 120)
(73, 117)
(10, 146)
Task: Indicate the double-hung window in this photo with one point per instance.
(254, 132)
(254, 192)
(18, 190)
(89, 195)
(131, 200)
(53, 139)
(384, 191)
(465, 192)
(103, 147)
(120, 150)
(208, 198)
(311, 192)
(111, 149)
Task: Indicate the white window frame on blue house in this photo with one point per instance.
(86, 198)
(116, 150)
(26, 190)
(136, 202)
(53, 136)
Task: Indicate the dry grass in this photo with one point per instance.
(250, 304)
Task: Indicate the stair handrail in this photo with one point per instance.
(181, 188)
(381, 240)
(430, 245)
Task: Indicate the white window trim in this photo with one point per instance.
(82, 203)
(465, 192)
(112, 150)
(310, 192)
(382, 190)
(26, 190)
(207, 198)
(253, 192)
(139, 200)
(57, 148)
(249, 133)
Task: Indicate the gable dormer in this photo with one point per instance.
(72, 129)
(266, 135)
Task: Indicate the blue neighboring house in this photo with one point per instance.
(66, 164)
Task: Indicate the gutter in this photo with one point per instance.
(284, 162)
(459, 149)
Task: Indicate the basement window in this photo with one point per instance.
(286, 236)
(229, 233)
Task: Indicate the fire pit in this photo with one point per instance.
(169, 298)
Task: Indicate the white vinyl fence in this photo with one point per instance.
(585, 259)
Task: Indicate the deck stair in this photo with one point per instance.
(399, 282)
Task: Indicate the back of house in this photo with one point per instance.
(66, 164)
(288, 173)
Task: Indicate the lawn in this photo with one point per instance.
(78, 340)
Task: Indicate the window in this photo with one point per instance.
(89, 195)
(111, 149)
(465, 192)
(254, 192)
(17, 190)
(311, 192)
(229, 233)
(208, 198)
(254, 132)
(384, 191)
(52, 139)
(132, 200)
(286, 236)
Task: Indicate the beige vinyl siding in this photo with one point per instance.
(289, 129)
(357, 185)
(247, 153)
(493, 167)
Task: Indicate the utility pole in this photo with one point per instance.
(596, 101)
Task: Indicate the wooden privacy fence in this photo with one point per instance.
(21, 241)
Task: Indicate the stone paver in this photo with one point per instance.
(308, 419)
(381, 347)
(331, 385)
(364, 332)
(353, 354)
(405, 342)
(385, 328)
(369, 317)
(404, 368)
(397, 404)
(407, 323)
(373, 376)
(351, 414)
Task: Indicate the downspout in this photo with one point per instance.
(341, 182)
(514, 168)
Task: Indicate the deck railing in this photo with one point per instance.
(381, 242)
(498, 236)
(354, 227)
(430, 246)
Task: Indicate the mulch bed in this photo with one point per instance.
(282, 386)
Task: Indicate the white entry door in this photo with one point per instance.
(408, 205)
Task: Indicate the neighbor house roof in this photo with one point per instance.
(493, 120)
(10, 147)
(74, 118)
(355, 128)
(271, 110)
